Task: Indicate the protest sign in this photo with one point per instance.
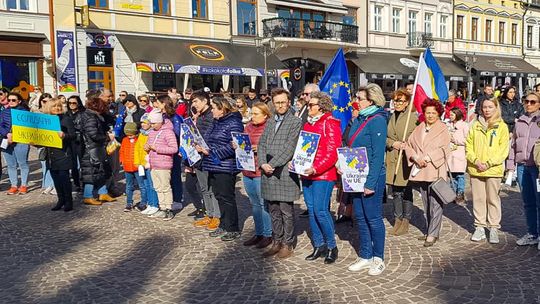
(306, 148)
(35, 128)
(353, 163)
(245, 158)
(187, 145)
(199, 140)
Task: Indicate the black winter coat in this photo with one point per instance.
(78, 142)
(60, 159)
(95, 168)
(510, 111)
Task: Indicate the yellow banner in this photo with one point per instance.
(38, 137)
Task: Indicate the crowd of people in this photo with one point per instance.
(139, 137)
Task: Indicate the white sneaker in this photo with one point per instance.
(158, 214)
(152, 211)
(493, 236)
(360, 264)
(145, 211)
(53, 191)
(479, 234)
(377, 267)
(47, 190)
(527, 239)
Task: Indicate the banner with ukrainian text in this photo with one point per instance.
(36, 129)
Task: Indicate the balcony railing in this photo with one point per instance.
(420, 40)
(309, 29)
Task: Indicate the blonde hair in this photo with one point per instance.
(263, 107)
(244, 110)
(496, 118)
(55, 101)
(375, 94)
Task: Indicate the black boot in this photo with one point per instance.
(343, 219)
(58, 206)
(331, 256)
(317, 253)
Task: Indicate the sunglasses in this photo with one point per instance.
(72, 103)
(305, 94)
(530, 101)
(143, 100)
(122, 95)
(312, 104)
(13, 100)
(399, 101)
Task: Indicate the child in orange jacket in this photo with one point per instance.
(127, 152)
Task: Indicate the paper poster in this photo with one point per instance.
(199, 140)
(36, 129)
(353, 163)
(306, 148)
(245, 158)
(187, 145)
(66, 65)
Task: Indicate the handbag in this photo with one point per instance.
(42, 154)
(442, 188)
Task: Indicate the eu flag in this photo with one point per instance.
(335, 82)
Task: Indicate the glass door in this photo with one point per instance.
(100, 77)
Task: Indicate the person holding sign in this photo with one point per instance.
(369, 130)
(427, 150)
(279, 187)
(252, 180)
(319, 180)
(15, 154)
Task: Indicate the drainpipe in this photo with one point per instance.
(231, 19)
(52, 39)
(523, 27)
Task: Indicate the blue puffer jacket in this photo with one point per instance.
(222, 158)
(5, 120)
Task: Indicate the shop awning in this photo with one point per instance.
(502, 66)
(195, 57)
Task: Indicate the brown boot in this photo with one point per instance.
(396, 226)
(254, 240)
(202, 222)
(264, 242)
(213, 225)
(285, 251)
(276, 246)
(403, 228)
(91, 201)
(106, 198)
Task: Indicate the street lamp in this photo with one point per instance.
(266, 47)
(469, 65)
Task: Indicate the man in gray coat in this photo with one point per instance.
(279, 187)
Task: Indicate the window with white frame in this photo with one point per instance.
(377, 18)
(427, 22)
(442, 26)
(23, 5)
(412, 21)
(396, 23)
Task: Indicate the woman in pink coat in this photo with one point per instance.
(457, 161)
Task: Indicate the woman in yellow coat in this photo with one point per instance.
(487, 148)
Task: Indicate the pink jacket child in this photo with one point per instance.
(164, 141)
(457, 160)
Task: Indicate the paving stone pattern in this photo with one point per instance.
(103, 255)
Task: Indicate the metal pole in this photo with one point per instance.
(265, 84)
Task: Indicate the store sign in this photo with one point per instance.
(503, 65)
(409, 63)
(297, 74)
(99, 40)
(206, 52)
(164, 68)
(99, 57)
(66, 64)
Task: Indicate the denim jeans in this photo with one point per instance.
(458, 179)
(89, 190)
(526, 176)
(46, 179)
(17, 155)
(317, 195)
(368, 212)
(176, 179)
(151, 193)
(261, 217)
(131, 177)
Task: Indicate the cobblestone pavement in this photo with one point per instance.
(103, 255)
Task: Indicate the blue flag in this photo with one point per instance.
(335, 82)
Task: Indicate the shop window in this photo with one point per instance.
(23, 5)
(162, 7)
(13, 71)
(459, 27)
(200, 8)
(163, 81)
(247, 17)
(100, 77)
(99, 3)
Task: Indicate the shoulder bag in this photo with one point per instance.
(443, 188)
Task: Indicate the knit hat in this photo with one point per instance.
(130, 128)
(130, 97)
(145, 118)
(155, 117)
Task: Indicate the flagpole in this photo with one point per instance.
(409, 112)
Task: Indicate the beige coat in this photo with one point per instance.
(433, 146)
(457, 160)
(395, 133)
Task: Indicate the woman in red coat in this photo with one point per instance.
(319, 180)
(454, 101)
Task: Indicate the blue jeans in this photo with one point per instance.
(46, 179)
(526, 176)
(89, 190)
(17, 155)
(151, 193)
(131, 177)
(368, 213)
(261, 217)
(317, 197)
(458, 182)
(176, 178)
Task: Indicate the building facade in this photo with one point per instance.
(25, 52)
(531, 39)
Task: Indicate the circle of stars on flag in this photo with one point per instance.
(336, 86)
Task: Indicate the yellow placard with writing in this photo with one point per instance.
(38, 137)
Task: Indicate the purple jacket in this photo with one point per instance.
(526, 133)
(166, 146)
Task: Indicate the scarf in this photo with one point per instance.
(313, 120)
(129, 114)
(278, 118)
(368, 111)
(144, 132)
